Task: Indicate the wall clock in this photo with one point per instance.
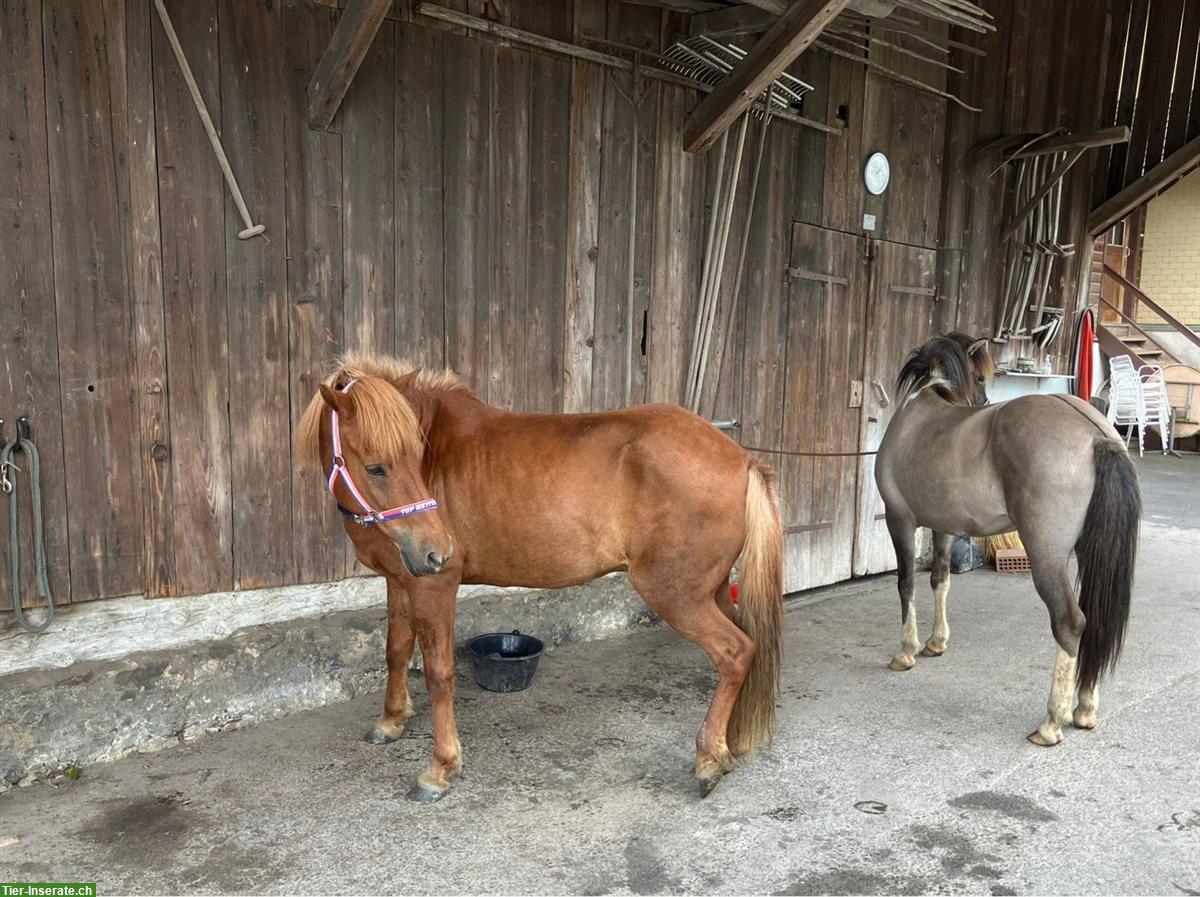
(877, 173)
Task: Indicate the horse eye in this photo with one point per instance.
(376, 470)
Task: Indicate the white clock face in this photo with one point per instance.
(877, 173)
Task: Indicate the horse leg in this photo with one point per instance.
(696, 614)
(1085, 711)
(433, 616)
(1066, 622)
(903, 534)
(939, 581)
(397, 706)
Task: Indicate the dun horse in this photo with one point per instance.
(479, 495)
(1049, 466)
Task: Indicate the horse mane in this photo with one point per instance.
(386, 422)
(949, 365)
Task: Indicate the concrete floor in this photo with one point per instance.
(582, 784)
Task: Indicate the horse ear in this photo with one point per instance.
(408, 381)
(976, 346)
(338, 401)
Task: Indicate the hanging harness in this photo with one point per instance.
(8, 484)
(339, 470)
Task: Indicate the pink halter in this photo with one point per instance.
(339, 469)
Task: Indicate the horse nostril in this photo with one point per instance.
(435, 561)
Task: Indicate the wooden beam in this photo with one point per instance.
(791, 34)
(1057, 144)
(1144, 188)
(339, 63)
(563, 48)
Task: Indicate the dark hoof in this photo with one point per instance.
(424, 794)
(378, 736)
(707, 783)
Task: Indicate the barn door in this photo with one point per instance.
(899, 311)
(824, 297)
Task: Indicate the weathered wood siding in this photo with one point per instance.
(472, 204)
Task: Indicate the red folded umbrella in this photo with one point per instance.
(1083, 355)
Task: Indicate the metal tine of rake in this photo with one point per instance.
(704, 59)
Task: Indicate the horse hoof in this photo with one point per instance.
(381, 735)
(1084, 719)
(900, 664)
(708, 782)
(426, 794)
(931, 651)
(1044, 740)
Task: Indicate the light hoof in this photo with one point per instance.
(1045, 739)
(1084, 719)
(385, 733)
(902, 662)
(933, 650)
(423, 793)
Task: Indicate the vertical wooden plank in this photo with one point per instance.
(252, 81)
(420, 301)
(85, 87)
(367, 123)
(1187, 79)
(29, 363)
(509, 143)
(679, 207)
(1127, 71)
(583, 201)
(466, 156)
(842, 197)
(908, 125)
(146, 285)
(313, 160)
(192, 209)
(897, 321)
(549, 150)
(615, 340)
(764, 301)
(1169, 20)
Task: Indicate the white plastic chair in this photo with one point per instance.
(1137, 397)
(1155, 403)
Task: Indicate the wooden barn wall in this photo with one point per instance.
(469, 206)
(1046, 67)
(1152, 85)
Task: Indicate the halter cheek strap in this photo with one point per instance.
(339, 470)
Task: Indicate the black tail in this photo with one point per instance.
(1106, 550)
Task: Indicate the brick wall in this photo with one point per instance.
(1171, 252)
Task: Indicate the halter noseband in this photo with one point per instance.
(339, 469)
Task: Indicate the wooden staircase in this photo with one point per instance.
(1125, 337)
(1128, 339)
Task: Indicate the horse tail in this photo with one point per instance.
(1106, 550)
(760, 613)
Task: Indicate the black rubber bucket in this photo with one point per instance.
(504, 661)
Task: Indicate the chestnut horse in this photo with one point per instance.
(480, 495)
(1050, 467)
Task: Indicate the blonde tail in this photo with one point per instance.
(760, 614)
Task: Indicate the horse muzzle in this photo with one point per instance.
(424, 561)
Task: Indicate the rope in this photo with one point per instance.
(8, 484)
(767, 451)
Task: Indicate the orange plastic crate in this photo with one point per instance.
(1012, 560)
